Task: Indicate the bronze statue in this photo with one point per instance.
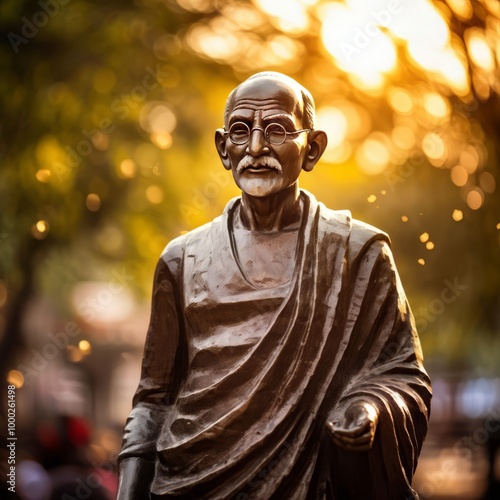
(282, 359)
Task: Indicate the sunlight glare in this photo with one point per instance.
(334, 123)
(462, 8)
(403, 137)
(479, 50)
(372, 156)
(435, 148)
(400, 100)
(357, 45)
(436, 105)
(292, 19)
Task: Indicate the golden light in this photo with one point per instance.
(292, 19)
(284, 48)
(421, 262)
(372, 156)
(93, 202)
(356, 43)
(154, 194)
(457, 215)
(40, 229)
(459, 176)
(429, 245)
(16, 378)
(223, 47)
(358, 119)
(479, 50)
(334, 123)
(434, 148)
(157, 116)
(85, 347)
(128, 168)
(404, 218)
(400, 101)
(403, 137)
(462, 8)
(420, 23)
(163, 140)
(43, 175)
(372, 198)
(424, 237)
(436, 105)
(469, 159)
(340, 154)
(196, 5)
(487, 182)
(446, 65)
(475, 198)
(74, 354)
(243, 15)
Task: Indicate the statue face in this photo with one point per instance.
(259, 167)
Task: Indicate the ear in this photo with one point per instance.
(317, 144)
(220, 144)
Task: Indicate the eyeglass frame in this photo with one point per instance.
(264, 130)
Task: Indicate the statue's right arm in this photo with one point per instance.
(163, 366)
(136, 476)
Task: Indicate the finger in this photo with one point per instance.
(352, 432)
(360, 440)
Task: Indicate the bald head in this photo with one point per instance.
(304, 103)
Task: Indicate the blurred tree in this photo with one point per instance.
(108, 112)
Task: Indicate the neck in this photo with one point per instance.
(271, 213)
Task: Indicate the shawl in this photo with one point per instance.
(238, 382)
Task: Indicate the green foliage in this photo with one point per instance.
(84, 156)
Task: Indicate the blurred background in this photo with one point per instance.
(106, 151)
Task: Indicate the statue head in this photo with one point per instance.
(269, 136)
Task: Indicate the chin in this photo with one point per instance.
(259, 188)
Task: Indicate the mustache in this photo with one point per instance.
(261, 161)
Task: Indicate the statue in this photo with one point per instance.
(282, 359)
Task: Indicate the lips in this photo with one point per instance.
(259, 169)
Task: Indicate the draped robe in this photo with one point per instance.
(238, 381)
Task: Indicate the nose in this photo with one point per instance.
(257, 144)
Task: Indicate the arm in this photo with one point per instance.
(383, 412)
(160, 379)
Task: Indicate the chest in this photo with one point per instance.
(266, 259)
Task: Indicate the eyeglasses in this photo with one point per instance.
(275, 133)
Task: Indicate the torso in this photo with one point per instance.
(267, 259)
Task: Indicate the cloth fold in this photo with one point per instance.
(252, 425)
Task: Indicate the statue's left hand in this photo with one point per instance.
(356, 430)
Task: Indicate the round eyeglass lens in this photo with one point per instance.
(275, 133)
(239, 133)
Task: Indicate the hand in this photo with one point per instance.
(356, 430)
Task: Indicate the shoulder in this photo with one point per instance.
(173, 253)
(360, 236)
(199, 236)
